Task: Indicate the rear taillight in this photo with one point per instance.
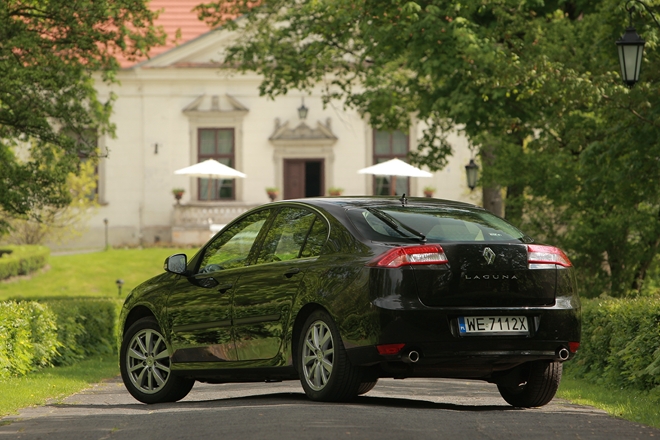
(405, 256)
(538, 254)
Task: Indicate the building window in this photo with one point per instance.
(218, 144)
(88, 168)
(389, 145)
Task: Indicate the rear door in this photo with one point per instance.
(266, 290)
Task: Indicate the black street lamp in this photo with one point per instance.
(631, 48)
(302, 110)
(472, 171)
(119, 284)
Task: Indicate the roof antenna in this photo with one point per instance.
(403, 200)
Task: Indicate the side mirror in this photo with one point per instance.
(176, 263)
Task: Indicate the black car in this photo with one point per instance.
(339, 292)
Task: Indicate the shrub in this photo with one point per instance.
(620, 343)
(85, 327)
(22, 260)
(28, 337)
(54, 332)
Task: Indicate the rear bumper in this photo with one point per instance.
(433, 334)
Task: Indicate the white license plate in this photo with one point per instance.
(509, 325)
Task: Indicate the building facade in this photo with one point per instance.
(181, 107)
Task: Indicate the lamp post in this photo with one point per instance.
(472, 172)
(631, 48)
(302, 110)
(119, 284)
(105, 221)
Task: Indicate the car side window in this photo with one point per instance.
(287, 236)
(316, 239)
(232, 247)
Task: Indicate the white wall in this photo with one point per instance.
(136, 182)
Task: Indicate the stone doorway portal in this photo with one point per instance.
(303, 178)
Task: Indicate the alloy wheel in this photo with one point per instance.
(147, 361)
(318, 355)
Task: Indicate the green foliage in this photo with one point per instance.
(22, 260)
(28, 338)
(85, 327)
(57, 332)
(621, 343)
(48, 104)
(56, 224)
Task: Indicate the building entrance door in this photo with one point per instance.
(303, 178)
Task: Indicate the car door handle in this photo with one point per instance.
(291, 272)
(225, 287)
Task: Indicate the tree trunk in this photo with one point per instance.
(514, 204)
(492, 200)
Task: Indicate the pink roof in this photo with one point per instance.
(175, 14)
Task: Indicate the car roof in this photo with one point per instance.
(348, 202)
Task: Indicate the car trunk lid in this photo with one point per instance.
(486, 275)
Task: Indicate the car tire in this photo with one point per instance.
(326, 373)
(365, 387)
(144, 362)
(540, 387)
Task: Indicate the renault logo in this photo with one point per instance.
(489, 255)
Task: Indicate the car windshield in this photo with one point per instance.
(436, 224)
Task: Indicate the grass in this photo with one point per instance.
(54, 383)
(92, 275)
(636, 406)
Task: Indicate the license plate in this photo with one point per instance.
(499, 325)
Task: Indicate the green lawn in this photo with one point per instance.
(92, 274)
(636, 406)
(54, 383)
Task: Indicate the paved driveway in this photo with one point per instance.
(395, 409)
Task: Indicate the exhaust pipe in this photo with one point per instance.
(563, 353)
(411, 357)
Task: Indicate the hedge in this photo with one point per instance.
(22, 260)
(54, 332)
(620, 343)
(28, 337)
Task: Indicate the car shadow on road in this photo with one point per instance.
(276, 399)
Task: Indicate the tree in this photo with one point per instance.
(533, 85)
(56, 224)
(49, 50)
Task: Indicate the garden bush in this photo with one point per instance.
(620, 343)
(22, 260)
(54, 332)
(28, 337)
(85, 327)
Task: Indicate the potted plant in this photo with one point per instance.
(428, 191)
(272, 193)
(334, 191)
(178, 193)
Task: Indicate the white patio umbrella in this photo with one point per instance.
(394, 168)
(211, 169)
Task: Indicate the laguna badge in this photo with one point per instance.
(489, 255)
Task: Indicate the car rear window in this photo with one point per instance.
(437, 224)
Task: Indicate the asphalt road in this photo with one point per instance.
(394, 409)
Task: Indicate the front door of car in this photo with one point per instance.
(266, 290)
(199, 308)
